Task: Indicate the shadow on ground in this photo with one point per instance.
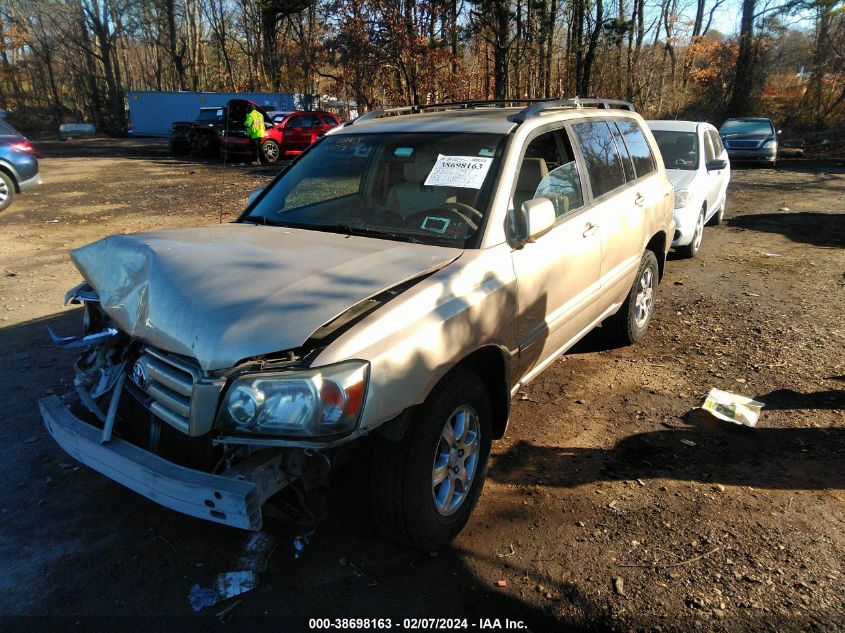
(818, 229)
(710, 452)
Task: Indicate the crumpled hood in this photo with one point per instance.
(225, 293)
(681, 178)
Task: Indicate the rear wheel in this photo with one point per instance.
(270, 151)
(424, 488)
(7, 190)
(630, 322)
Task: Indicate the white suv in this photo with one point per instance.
(395, 284)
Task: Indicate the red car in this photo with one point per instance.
(288, 133)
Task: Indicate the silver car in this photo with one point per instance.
(751, 139)
(396, 284)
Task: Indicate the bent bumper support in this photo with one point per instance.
(231, 501)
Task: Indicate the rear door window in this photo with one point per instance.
(638, 147)
(602, 160)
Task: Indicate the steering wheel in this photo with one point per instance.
(464, 213)
(680, 162)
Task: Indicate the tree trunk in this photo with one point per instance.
(589, 57)
(741, 92)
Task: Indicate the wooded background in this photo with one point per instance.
(75, 60)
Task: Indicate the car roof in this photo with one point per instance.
(748, 118)
(676, 126)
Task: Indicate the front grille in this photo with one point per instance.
(743, 144)
(169, 383)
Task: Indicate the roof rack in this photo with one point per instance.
(539, 107)
(535, 107)
(455, 105)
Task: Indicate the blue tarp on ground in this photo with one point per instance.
(152, 113)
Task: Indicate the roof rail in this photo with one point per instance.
(539, 107)
(454, 105)
(535, 107)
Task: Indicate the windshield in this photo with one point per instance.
(213, 114)
(747, 126)
(431, 188)
(679, 149)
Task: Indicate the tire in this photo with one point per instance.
(180, 149)
(407, 505)
(691, 250)
(717, 219)
(627, 325)
(7, 190)
(207, 146)
(270, 151)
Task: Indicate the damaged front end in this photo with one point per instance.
(212, 444)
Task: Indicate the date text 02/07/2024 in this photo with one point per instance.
(413, 624)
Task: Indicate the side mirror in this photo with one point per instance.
(253, 195)
(716, 164)
(539, 217)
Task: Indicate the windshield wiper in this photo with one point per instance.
(347, 229)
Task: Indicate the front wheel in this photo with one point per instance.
(630, 322)
(7, 190)
(424, 488)
(270, 151)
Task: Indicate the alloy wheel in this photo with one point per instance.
(271, 152)
(456, 460)
(645, 297)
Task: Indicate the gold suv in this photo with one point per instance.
(396, 284)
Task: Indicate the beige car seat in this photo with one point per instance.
(532, 171)
(411, 196)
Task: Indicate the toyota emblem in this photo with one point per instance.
(139, 375)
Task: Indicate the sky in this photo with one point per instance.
(726, 18)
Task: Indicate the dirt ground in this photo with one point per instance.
(610, 505)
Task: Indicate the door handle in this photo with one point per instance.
(590, 229)
(639, 200)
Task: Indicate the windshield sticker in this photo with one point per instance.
(435, 224)
(458, 171)
(486, 152)
(403, 152)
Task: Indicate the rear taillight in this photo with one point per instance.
(25, 146)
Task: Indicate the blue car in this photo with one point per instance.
(18, 165)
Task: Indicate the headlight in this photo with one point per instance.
(321, 402)
(770, 143)
(681, 198)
